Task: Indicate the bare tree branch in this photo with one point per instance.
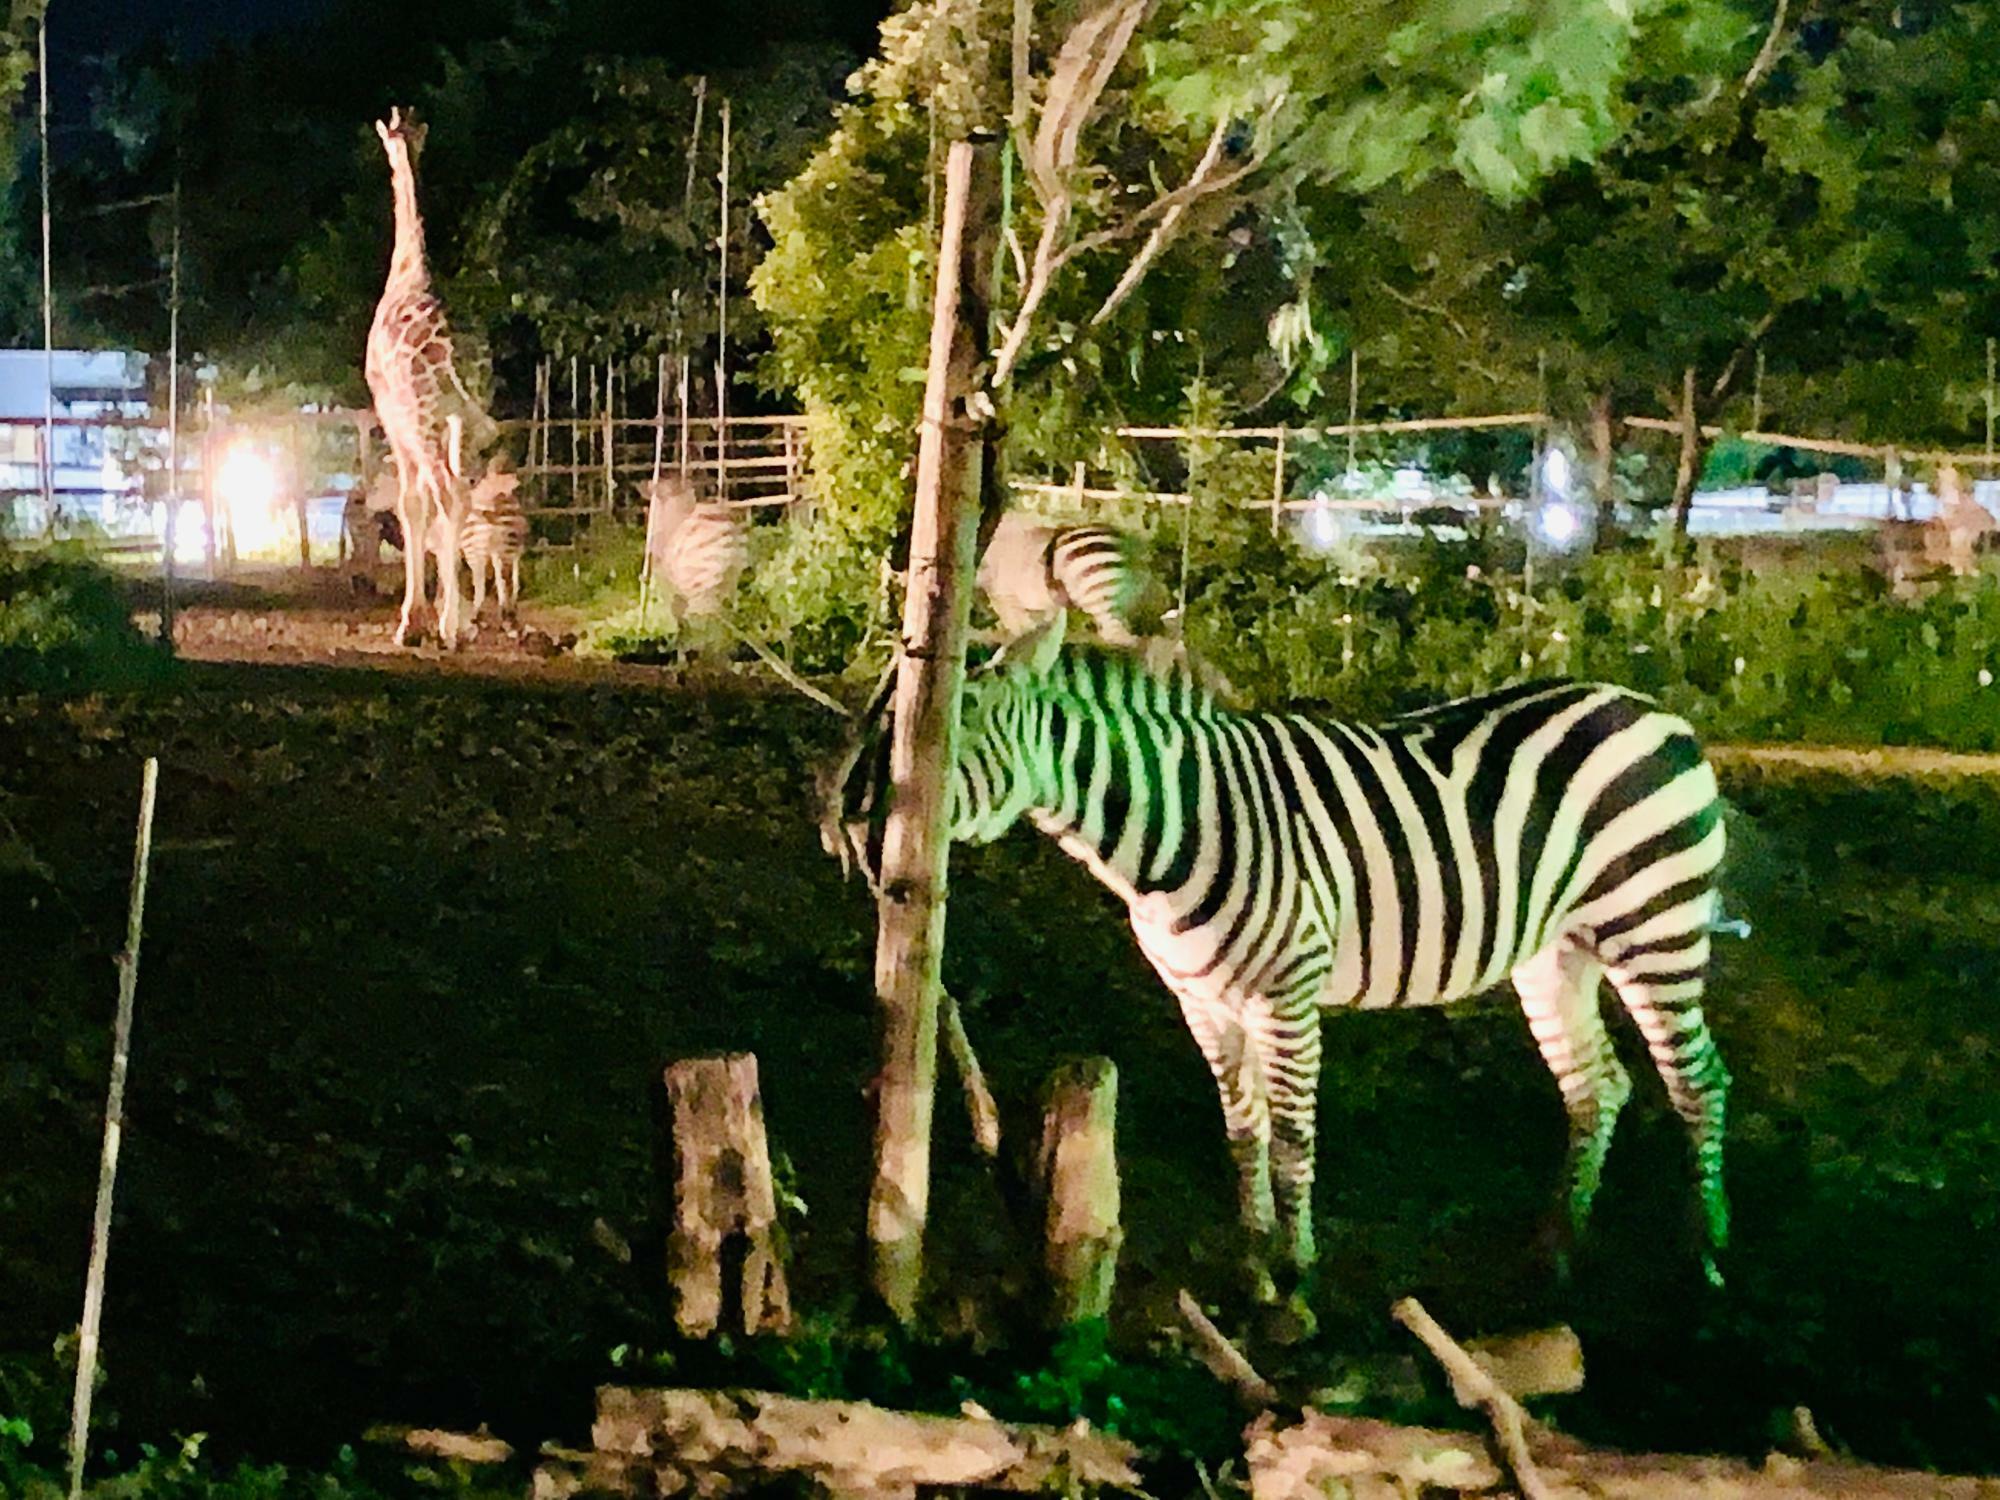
(1766, 54)
(1722, 381)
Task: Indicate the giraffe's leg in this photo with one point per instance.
(1559, 993)
(1661, 982)
(448, 560)
(1246, 1116)
(512, 608)
(415, 519)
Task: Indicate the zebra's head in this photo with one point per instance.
(994, 781)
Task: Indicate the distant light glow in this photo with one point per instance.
(1555, 473)
(1319, 528)
(1558, 525)
(248, 485)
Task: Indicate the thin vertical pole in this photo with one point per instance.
(114, 1128)
(1278, 483)
(694, 146)
(1992, 401)
(610, 435)
(1757, 395)
(722, 325)
(681, 390)
(1353, 407)
(575, 419)
(48, 292)
(170, 531)
(1539, 448)
(660, 419)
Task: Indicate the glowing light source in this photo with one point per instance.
(248, 486)
(1558, 524)
(1319, 528)
(1555, 473)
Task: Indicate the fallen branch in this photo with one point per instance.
(785, 673)
(479, 1447)
(1223, 1359)
(660, 1442)
(1474, 1388)
(979, 1105)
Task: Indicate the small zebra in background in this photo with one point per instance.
(1034, 569)
(494, 537)
(697, 549)
(1277, 864)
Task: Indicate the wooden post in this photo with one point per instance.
(575, 450)
(722, 321)
(911, 912)
(1077, 1173)
(610, 436)
(295, 462)
(1992, 400)
(722, 1188)
(1687, 472)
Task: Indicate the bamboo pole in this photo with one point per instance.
(575, 420)
(114, 1126)
(610, 435)
(916, 845)
(686, 376)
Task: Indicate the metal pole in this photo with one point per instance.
(48, 295)
(722, 326)
(171, 530)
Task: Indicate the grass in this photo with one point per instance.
(417, 950)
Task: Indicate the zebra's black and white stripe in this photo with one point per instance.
(493, 538)
(1276, 864)
(697, 549)
(1033, 569)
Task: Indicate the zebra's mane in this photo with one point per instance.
(1098, 678)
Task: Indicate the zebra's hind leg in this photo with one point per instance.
(1559, 994)
(1660, 980)
(1231, 1052)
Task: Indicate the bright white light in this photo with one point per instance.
(248, 486)
(1558, 524)
(1555, 473)
(1319, 528)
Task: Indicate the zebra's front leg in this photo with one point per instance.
(1231, 1053)
(1289, 1046)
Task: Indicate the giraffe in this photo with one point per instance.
(412, 378)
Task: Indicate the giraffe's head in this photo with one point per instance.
(402, 136)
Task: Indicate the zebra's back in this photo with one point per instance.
(706, 556)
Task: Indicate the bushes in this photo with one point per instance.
(65, 626)
(1810, 653)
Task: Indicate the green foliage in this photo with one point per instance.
(1802, 651)
(65, 627)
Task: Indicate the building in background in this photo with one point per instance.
(101, 438)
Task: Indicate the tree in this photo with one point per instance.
(1179, 126)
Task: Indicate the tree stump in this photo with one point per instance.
(722, 1189)
(1077, 1174)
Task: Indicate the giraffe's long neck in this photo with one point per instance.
(407, 268)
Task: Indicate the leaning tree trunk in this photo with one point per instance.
(937, 609)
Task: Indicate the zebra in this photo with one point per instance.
(1277, 864)
(494, 537)
(697, 549)
(1032, 569)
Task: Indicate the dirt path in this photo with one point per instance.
(1860, 762)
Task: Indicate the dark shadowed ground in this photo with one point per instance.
(418, 946)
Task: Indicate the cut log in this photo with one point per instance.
(669, 1442)
(1310, 1460)
(722, 1189)
(1077, 1173)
